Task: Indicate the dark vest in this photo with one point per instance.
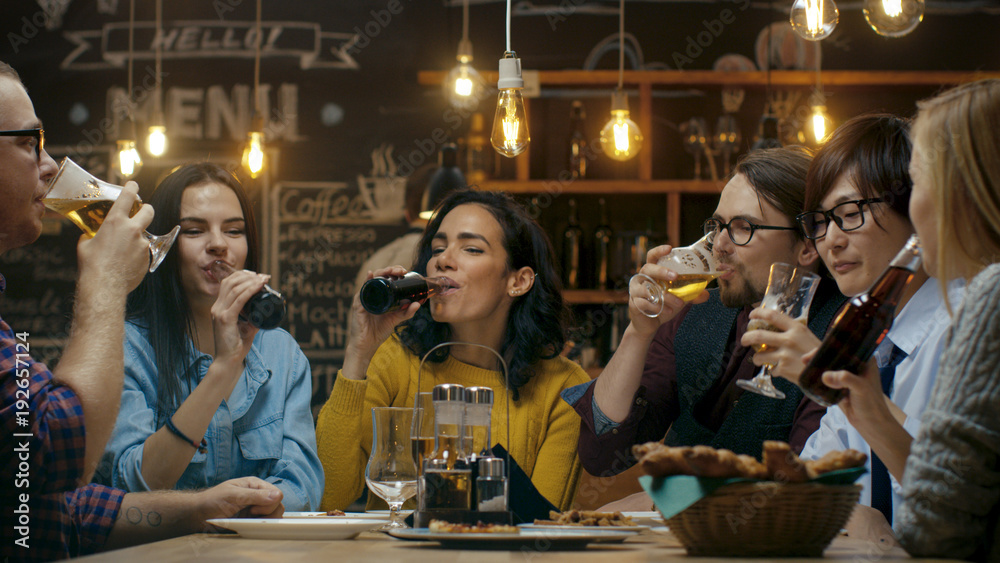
(699, 347)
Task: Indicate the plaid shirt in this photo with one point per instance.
(42, 456)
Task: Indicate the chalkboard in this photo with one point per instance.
(318, 239)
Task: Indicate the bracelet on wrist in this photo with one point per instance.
(202, 446)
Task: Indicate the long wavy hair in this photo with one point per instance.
(159, 304)
(536, 323)
(956, 133)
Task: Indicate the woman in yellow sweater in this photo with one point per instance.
(505, 294)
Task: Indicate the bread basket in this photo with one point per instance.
(765, 519)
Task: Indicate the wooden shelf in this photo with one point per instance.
(606, 186)
(594, 296)
(830, 78)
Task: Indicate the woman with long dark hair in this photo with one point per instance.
(504, 293)
(207, 396)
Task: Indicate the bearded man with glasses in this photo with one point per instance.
(678, 371)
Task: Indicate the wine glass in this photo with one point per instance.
(391, 473)
(790, 291)
(422, 432)
(85, 200)
(695, 266)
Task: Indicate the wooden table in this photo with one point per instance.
(376, 547)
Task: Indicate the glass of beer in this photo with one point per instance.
(695, 267)
(85, 200)
(790, 291)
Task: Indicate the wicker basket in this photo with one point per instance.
(765, 519)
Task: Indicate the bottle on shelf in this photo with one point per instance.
(381, 295)
(477, 152)
(572, 242)
(603, 236)
(860, 326)
(577, 141)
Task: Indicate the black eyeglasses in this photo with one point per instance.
(740, 230)
(848, 216)
(38, 134)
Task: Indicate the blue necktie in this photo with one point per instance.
(881, 485)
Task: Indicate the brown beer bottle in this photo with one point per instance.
(860, 326)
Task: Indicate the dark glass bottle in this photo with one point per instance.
(603, 235)
(381, 295)
(577, 141)
(264, 310)
(860, 326)
(571, 249)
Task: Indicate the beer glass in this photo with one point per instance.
(391, 472)
(695, 267)
(789, 291)
(85, 200)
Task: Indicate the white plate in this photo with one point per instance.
(537, 540)
(308, 528)
(569, 527)
(377, 515)
(646, 518)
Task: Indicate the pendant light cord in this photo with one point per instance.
(767, 62)
(508, 26)
(465, 23)
(131, 54)
(157, 101)
(621, 44)
(256, 66)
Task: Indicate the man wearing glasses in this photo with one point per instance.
(56, 422)
(678, 371)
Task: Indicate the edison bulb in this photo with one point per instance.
(156, 142)
(893, 18)
(814, 19)
(818, 126)
(129, 161)
(510, 124)
(253, 154)
(464, 86)
(620, 137)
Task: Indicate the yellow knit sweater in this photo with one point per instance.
(544, 429)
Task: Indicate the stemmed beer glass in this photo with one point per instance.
(391, 472)
(85, 200)
(790, 291)
(695, 267)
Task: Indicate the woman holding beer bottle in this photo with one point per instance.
(857, 193)
(952, 486)
(502, 292)
(207, 396)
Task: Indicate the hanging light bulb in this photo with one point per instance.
(510, 123)
(818, 126)
(253, 152)
(893, 18)
(463, 86)
(620, 137)
(156, 142)
(814, 19)
(128, 162)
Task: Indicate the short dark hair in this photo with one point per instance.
(874, 151)
(9, 72)
(536, 325)
(779, 177)
(159, 303)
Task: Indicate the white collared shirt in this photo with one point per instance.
(918, 331)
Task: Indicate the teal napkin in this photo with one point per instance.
(673, 494)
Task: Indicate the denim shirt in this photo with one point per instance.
(265, 429)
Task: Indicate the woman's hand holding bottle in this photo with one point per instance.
(372, 330)
(234, 336)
